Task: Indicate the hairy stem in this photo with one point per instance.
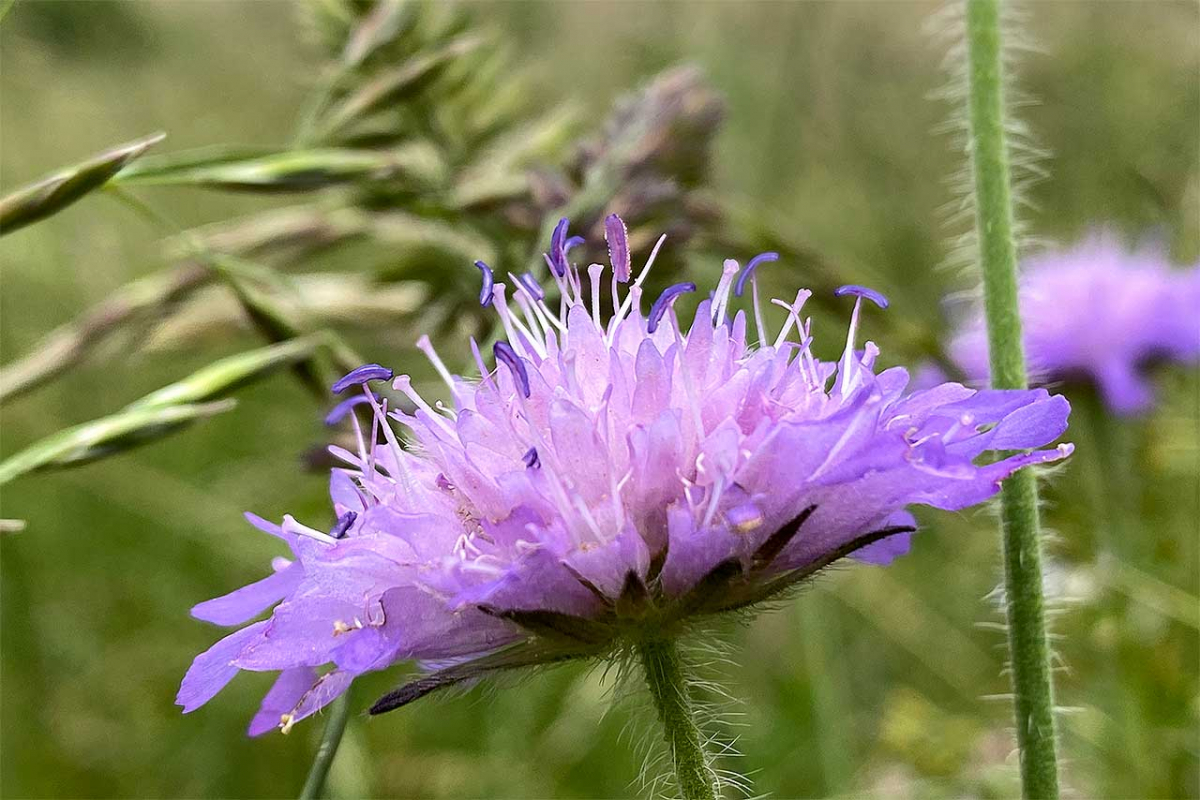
(1029, 650)
(668, 686)
(339, 712)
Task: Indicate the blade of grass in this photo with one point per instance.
(54, 193)
(106, 436)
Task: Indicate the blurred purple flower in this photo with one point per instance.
(605, 479)
(1098, 311)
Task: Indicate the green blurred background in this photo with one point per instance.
(883, 683)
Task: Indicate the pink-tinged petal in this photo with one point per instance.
(287, 691)
(214, 668)
(248, 602)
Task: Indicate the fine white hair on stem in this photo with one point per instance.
(1027, 158)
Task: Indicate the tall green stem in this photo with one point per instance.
(339, 712)
(1029, 650)
(668, 687)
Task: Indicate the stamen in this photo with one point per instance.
(793, 315)
(343, 524)
(537, 326)
(721, 295)
(484, 372)
(504, 353)
(339, 412)
(758, 317)
(485, 293)
(617, 237)
(862, 291)
(426, 347)
(532, 286)
(558, 245)
(744, 518)
(620, 315)
(291, 526)
(664, 301)
(531, 458)
(404, 384)
(513, 325)
(574, 241)
(361, 375)
(847, 373)
(749, 271)
(595, 272)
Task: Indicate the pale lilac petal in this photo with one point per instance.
(285, 694)
(251, 600)
(214, 668)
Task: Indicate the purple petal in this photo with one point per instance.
(361, 375)
(862, 291)
(885, 551)
(287, 691)
(749, 270)
(618, 246)
(327, 688)
(249, 601)
(214, 668)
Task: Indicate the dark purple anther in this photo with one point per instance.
(749, 270)
(343, 524)
(862, 291)
(574, 241)
(664, 302)
(485, 293)
(531, 458)
(618, 246)
(529, 282)
(505, 353)
(339, 412)
(361, 375)
(558, 247)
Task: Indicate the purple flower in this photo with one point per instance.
(1098, 311)
(606, 477)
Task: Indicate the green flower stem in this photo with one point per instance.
(1029, 650)
(668, 686)
(339, 712)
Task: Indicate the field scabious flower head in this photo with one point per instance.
(608, 478)
(1098, 311)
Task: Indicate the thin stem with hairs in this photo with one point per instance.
(669, 687)
(1029, 649)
